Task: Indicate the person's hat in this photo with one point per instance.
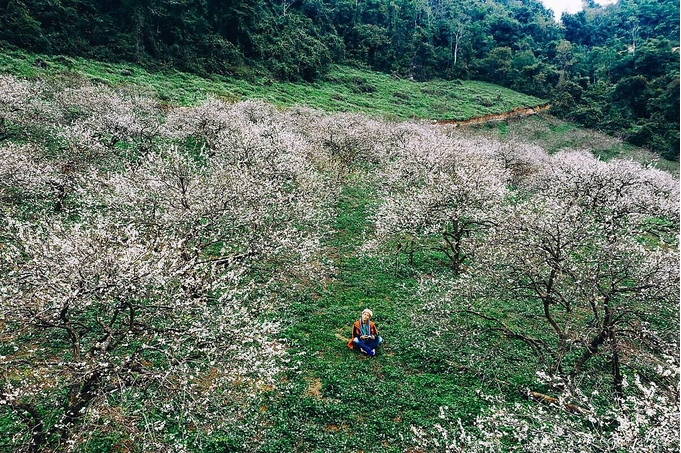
(371, 313)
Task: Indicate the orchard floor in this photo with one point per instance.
(339, 400)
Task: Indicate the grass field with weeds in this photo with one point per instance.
(344, 89)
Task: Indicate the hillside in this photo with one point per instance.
(614, 68)
(344, 90)
(348, 90)
(180, 272)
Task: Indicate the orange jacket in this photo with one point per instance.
(356, 334)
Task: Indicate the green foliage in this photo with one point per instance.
(516, 44)
(628, 69)
(345, 89)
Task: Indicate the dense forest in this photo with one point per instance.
(614, 68)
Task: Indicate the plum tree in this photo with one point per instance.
(154, 285)
(436, 185)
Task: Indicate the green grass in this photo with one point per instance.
(344, 90)
(553, 134)
(339, 400)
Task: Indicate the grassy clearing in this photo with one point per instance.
(339, 400)
(553, 134)
(344, 90)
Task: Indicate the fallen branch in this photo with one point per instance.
(546, 399)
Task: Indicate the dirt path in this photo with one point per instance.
(515, 113)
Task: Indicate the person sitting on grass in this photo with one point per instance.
(364, 334)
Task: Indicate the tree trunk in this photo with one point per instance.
(607, 332)
(617, 380)
(591, 350)
(81, 396)
(453, 249)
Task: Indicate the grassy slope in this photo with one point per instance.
(345, 90)
(553, 134)
(340, 400)
(337, 400)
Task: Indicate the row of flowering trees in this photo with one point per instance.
(146, 249)
(142, 252)
(573, 259)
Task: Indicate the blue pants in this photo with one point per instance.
(367, 345)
